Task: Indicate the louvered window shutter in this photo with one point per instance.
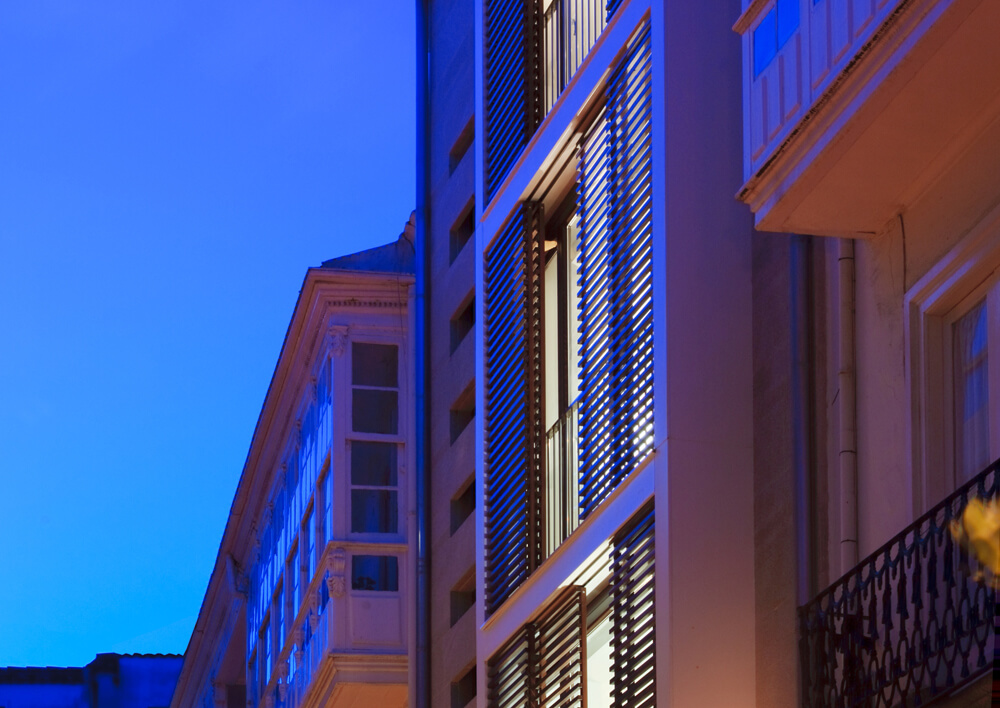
(613, 6)
(543, 666)
(513, 83)
(513, 271)
(633, 646)
(616, 297)
(562, 646)
(510, 672)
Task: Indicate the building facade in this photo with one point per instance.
(699, 424)
(109, 681)
(871, 129)
(446, 221)
(309, 603)
(613, 353)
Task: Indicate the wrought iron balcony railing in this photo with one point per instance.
(562, 480)
(912, 621)
(570, 28)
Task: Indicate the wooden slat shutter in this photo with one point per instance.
(510, 672)
(542, 665)
(513, 83)
(562, 646)
(633, 645)
(616, 298)
(513, 272)
(613, 6)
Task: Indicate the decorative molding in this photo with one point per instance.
(299, 637)
(282, 679)
(338, 339)
(336, 581)
(314, 610)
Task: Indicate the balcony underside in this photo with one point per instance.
(917, 104)
(359, 681)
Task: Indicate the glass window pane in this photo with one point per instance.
(373, 464)
(373, 511)
(375, 411)
(765, 42)
(380, 573)
(788, 20)
(374, 365)
(971, 387)
(599, 669)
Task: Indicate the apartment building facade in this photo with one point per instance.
(310, 600)
(871, 130)
(613, 378)
(446, 215)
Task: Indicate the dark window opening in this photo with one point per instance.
(462, 231)
(463, 506)
(464, 689)
(462, 323)
(463, 412)
(462, 144)
(463, 597)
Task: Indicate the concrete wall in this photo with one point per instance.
(452, 363)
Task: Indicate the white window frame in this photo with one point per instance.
(966, 274)
(398, 438)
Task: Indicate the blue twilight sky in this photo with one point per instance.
(168, 171)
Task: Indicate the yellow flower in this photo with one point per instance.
(978, 531)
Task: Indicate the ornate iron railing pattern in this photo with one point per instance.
(616, 276)
(562, 480)
(570, 29)
(908, 623)
(513, 272)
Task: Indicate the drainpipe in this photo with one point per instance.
(802, 443)
(422, 683)
(846, 384)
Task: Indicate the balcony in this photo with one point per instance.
(531, 52)
(854, 108)
(345, 641)
(562, 480)
(570, 28)
(910, 623)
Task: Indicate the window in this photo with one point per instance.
(973, 328)
(462, 506)
(530, 53)
(462, 231)
(374, 495)
(953, 336)
(462, 323)
(608, 638)
(375, 573)
(292, 572)
(309, 527)
(534, 316)
(374, 460)
(375, 388)
(770, 35)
